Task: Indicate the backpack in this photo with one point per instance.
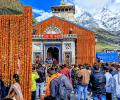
(57, 88)
(62, 89)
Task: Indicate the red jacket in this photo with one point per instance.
(65, 71)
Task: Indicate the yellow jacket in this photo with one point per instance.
(35, 76)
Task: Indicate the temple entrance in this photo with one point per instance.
(53, 53)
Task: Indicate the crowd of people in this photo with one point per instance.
(75, 82)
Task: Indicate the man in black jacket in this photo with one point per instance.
(41, 81)
(98, 81)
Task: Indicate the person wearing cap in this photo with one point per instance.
(15, 91)
(117, 83)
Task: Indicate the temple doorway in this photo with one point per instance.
(53, 53)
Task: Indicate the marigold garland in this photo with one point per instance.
(16, 42)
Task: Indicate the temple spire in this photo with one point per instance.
(62, 2)
(64, 11)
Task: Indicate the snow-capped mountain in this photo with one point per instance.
(86, 20)
(108, 20)
(105, 24)
(105, 19)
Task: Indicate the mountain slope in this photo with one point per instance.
(86, 20)
(105, 24)
(106, 40)
(109, 20)
(104, 36)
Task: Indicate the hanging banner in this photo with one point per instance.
(49, 36)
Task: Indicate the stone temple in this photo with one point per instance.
(59, 38)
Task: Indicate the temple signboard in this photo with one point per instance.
(51, 36)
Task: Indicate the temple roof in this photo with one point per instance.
(63, 20)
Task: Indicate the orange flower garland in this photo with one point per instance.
(16, 42)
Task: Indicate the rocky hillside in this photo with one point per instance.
(104, 36)
(10, 7)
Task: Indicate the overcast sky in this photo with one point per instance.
(92, 5)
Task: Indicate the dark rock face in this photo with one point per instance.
(10, 7)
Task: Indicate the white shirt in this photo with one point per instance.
(117, 84)
(108, 84)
